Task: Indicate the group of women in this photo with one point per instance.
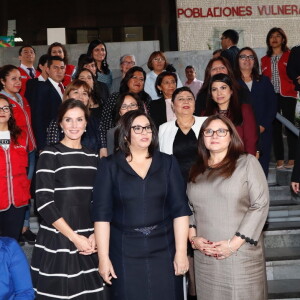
(181, 169)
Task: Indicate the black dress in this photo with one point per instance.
(64, 183)
(141, 212)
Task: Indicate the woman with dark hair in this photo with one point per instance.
(97, 50)
(262, 99)
(141, 213)
(58, 49)
(273, 65)
(229, 196)
(15, 186)
(217, 65)
(222, 99)
(133, 82)
(126, 102)
(86, 62)
(161, 110)
(157, 63)
(64, 263)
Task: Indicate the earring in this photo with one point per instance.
(62, 131)
(84, 130)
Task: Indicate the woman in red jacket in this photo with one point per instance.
(274, 66)
(14, 191)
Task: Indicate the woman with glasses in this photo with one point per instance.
(262, 99)
(222, 99)
(273, 65)
(15, 186)
(141, 213)
(229, 196)
(157, 63)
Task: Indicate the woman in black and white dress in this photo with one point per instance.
(64, 263)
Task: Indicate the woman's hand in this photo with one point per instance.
(200, 243)
(92, 242)
(82, 243)
(106, 269)
(181, 263)
(295, 187)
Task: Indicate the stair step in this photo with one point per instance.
(282, 238)
(283, 176)
(280, 192)
(284, 289)
(283, 202)
(282, 254)
(283, 269)
(282, 225)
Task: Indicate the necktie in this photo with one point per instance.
(31, 74)
(61, 88)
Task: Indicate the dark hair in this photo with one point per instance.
(93, 44)
(84, 59)
(255, 70)
(25, 46)
(76, 84)
(4, 72)
(180, 90)
(120, 101)
(57, 44)
(227, 166)
(42, 61)
(70, 104)
(52, 58)
(189, 67)
(13, 128)
(232, 35)
(160, 78)
(234, 112)
(152, 56)
(217, 51)
(124, 132)
(129, 74)
(284, 46)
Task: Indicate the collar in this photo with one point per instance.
(54, 83)
(25, 68)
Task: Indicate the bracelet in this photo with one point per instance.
(232, 252)
(192, 226)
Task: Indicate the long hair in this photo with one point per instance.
(234, 112)
(227, 166)
(255, 70)
(124, 132)
(13, 128)
(93, 44)
(129, 74)
(284, 46)
(57, 44)
(4, 72)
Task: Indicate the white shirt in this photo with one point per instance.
(55, 84)
(195, 86)
(25, 68)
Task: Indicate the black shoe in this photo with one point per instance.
(192, 297)
(28, 237)
(21, 240)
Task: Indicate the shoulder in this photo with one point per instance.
(248, 160)
(51, 150)
(8, 245)
(167, 125)
(199, 120)
(245, 107)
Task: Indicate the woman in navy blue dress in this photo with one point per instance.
(141, 213)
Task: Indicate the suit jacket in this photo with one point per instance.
(158, 111)
(44, 109)
(293, 66)
(230, 54)
(296, 170)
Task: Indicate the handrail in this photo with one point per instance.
(287, 124)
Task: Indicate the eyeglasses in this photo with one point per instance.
(139, 129)
(221, 132)
(5, 109)
(141, 79)
(129, 106)
(129, 63)
(158, 59)
(244, 57)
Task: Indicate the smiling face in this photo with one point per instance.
(99, 53)
(136, 82)
(92, 67)
(142, 140)
(218, 68)
(57, 51)
(184, 104)
(168, 86)
(73, 124)
(215, 143)
(221, 94)
(27, 56)
(80, 94)
(12, 83)
(127, 63)
(4, 112)
(87, 77)
(246, 64)
(158, 64)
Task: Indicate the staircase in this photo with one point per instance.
(282, 237)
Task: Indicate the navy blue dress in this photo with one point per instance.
(141, 212)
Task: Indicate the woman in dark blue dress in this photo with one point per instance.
(141, 213)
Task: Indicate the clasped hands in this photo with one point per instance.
(85, 246)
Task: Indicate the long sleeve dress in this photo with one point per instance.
(141, 213)
(223, 208)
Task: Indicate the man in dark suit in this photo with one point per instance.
(293, 67)
(47, 99)
(229, 40)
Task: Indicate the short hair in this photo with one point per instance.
(227, 166)
(124, 132)
(129, 74)
(231, 34)
(76, 84)
(125, 55)
(93, 44)
(42, 61)
(180, 90)
(255, 70)
(189, 67)
(217, 51)
(284, 46)
(160, 78)
(4, 72)
(52, 58)
(70, 104)
(57, 44)
(84, 59)
(25, 46)
(153, 55)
